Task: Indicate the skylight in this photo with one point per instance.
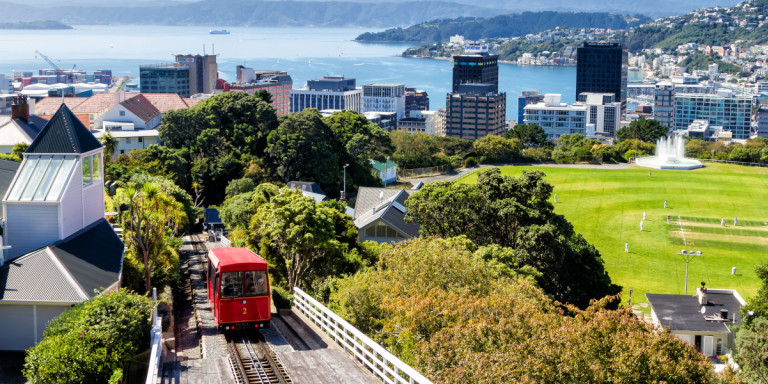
(42, 178)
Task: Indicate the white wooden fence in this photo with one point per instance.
(156, 337)
(385, 366)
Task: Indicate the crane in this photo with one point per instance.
(55, 67)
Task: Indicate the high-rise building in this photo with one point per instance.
(6, 86)
(476, 66)
(525, 98)
(557, 118)
(203, 72)
(380, 97)
(164, 78)
(602, 68)
(762, 117)
(603, 113)
(277, 83)
(475, 108)
(664, 104)
(415, 100)
(732, 113)
(328, 93)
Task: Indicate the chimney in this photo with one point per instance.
(20, 108)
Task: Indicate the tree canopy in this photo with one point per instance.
(516, 213)
(647, 130)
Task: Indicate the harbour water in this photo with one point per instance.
(305, 53)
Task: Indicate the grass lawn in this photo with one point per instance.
(607, 205)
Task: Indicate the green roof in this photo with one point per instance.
(382, 165)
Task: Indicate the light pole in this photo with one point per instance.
(344, 171)
(688, 256)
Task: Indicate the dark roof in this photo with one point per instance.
(33, 126)
(7, 171)
(211, 215)
(93, 256)
(390, 210)
(308, 186)
(683, 312)
(68, 271)
(64, 133)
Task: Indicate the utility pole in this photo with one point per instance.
(688, 256)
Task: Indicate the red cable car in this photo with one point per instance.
(238, 289)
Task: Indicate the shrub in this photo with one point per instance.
(470, 162)
(88, 342)
(281, 298)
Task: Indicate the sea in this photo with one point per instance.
(305, 53)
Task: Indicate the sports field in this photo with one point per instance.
(607, 205)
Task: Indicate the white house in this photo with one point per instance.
(133, 123)
(56, 248)
(387, 170)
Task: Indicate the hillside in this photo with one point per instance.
(248, 13)
(512, 25)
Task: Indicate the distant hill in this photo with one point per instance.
(519, 24)
(46, 24)
(248, 13)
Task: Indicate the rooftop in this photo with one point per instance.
(684, 313)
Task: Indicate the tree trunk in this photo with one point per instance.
(147, 273)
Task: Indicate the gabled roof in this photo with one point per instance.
(7, 171)
(141, 107)
(64, 133)
(98, 103)
(390, 210)
(306, 186)
(49, 105)
(211, 216)
(382, 165)
(15, 131)
(165, 102)
(66, 272)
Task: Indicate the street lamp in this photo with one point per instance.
(688, 256)
(344, 171)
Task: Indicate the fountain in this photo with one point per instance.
(670, 154)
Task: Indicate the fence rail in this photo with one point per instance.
(385, 366)
(420, 172)
(156, 341)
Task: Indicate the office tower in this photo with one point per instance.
(664, 104)
(328, 93)
(164, 78)
(602, 68)
(603, 113)
(724, 109)
(475, 108)
(277, 83)
(415, 100)
(557, 118)
(381, 97)
(203, 72)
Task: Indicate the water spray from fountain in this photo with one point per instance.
(670, 154)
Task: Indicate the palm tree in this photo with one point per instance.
(110, 146)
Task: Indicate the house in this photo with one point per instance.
(309, 189)
(386, 171)
(133, 123)
(56, 248)
(20, 127)
(380, 215)
(703, 320)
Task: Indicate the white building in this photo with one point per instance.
(761, 88)
(604, 114)
(733, 113)
(384, 97)
(6, 85)
(664, 104)
(330, 92)
(555, 117)
(421, 122)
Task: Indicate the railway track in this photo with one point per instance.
(253, 360)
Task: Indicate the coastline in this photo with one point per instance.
(500, 61)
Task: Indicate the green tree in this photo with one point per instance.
(110, 146)
(244, 120)
(91, 340)
(298, 231)
(264, 96)
(151, 220)
(303, 148)
(497, 148)
(516, 213)
(647, 130)
(752, 336)
(531, 135)
(179, 128)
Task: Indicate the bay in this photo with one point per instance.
(305, 53)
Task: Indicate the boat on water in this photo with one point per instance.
(219, 32)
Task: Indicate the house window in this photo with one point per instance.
(122, 113)
(141, 139)
(96, 166)
(87, 171)
(127, 140)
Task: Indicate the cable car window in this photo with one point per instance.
(256, 283)
(231, 284)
